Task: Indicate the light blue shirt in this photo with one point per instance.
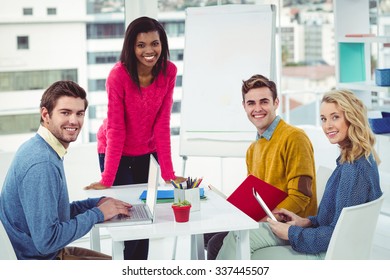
(270, 130)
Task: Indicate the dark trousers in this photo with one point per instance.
(132, 170)
(213, 243)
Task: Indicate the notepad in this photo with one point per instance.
(165, 196)
(244, 199)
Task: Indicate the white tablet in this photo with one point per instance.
(263, 205)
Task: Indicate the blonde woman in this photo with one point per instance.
(354, 181)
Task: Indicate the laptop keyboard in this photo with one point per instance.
(138, 212)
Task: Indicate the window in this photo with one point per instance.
(30, 80)
(98, 112)
(179, 81)
(105, 6)
(92, 112)
(175, 130)
(97, 85)
(176, 55)
(22, 42)
(176, 107)
(103, 57)
(27, 11)
(174, 29)
(92, 137)
(51, 11)
(15, 124)
(105, 30)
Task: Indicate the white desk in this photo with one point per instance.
(215, 215)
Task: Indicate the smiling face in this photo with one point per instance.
(147, 49)
(260, 107)
(66, 119)
(334, 123)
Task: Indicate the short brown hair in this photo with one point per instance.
(59, 89)
(258, 81)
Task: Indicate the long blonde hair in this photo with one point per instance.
(361, 140)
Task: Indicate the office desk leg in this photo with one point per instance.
(95, 239)
(117, 250)
(197, 247)
(184, 248)
(243, 246)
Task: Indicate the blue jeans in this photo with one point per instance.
(132, 170)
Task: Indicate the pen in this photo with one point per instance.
(200, 181)
(174, 184)
(197, 182)
(193, 183)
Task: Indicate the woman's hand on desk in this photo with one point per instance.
(177, 180)
(96, 186)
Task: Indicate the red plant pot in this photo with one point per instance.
(182, 213)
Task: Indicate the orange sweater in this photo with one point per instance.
(281, 161)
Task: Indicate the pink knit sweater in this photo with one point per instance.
(137, 123)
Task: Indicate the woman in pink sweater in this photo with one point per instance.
(140, 89)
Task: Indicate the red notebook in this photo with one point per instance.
(244, 200)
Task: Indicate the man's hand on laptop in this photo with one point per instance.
(111, 207)
(96, 186)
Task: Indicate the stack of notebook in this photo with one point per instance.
(165, 196)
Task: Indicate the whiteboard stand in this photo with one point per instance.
(185, 158)
(184, 165)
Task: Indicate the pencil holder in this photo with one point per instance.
(192, 195)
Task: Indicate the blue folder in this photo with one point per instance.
(167, 195)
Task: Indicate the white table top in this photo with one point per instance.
(215, 215)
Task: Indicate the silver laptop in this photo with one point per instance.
(143, 213)
(263, 205)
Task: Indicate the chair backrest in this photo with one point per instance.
(323, 174)
(354, 232)
(6, 250)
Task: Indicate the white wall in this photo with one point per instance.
(14, 9)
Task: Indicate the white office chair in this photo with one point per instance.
(354, 232)
(6, 250)
(323, 174)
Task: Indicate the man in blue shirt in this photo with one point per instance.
(34, 203)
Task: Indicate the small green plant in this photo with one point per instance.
(182, 203)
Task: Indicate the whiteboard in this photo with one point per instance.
(224, 45)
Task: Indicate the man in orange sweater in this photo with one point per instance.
(282, 155)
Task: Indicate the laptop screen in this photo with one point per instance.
(154, 173)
